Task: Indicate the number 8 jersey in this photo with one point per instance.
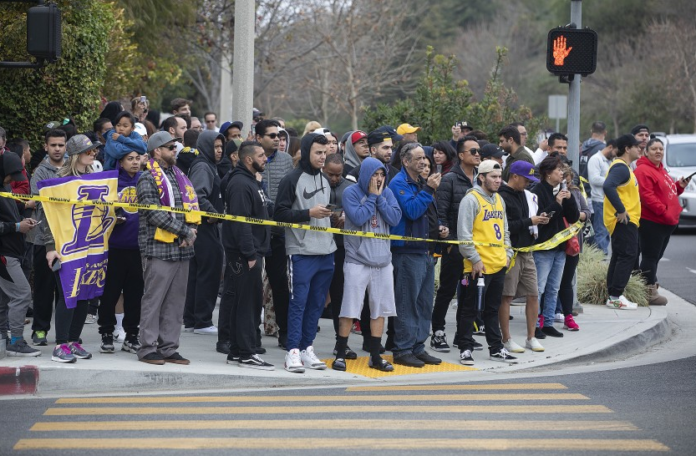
(489, 227)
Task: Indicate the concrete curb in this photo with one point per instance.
(19, 380)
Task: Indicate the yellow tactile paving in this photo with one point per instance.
(360, 367)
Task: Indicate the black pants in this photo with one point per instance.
(336, 288)
(492, 295)
(565, 291)
(243, 295)
(204, 277)
(277, 272)
(124, 274)
(45, 291)
(450, 275)
(69, 322)
(624, 254)
(654, 238)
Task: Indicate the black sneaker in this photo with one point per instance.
(504, 356)
(455, 341)
(254, 362)
(223, 347)
(438, 342)
(428, 359)
(131, 344)
(260, 350)
(282, 343)
(478, 346)
(153, 358)
(339, 364)
(539, 334)
(551, 331)
(465, 358)
(409, 360)
(232, 358)
(39, 338)
(479, 330)
(350, 354)
(176, 358)
(22, 349)
(107, 343)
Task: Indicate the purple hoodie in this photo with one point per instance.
(125, 235)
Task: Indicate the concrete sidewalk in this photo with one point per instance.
(605, 334)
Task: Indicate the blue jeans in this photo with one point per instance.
(414, 289)
(310, 278)
(601, 235)
(549, 265)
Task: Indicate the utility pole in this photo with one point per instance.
(243, 77)
(574, 97)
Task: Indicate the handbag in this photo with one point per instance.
(572, 247)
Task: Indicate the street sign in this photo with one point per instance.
(571, 51)
(558, 108)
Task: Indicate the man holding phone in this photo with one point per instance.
(15, 292)
(622, 210)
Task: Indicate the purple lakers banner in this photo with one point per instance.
(81, 232)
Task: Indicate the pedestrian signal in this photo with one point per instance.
(571, 51)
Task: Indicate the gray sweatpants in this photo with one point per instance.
(162, 308)
(15, 299)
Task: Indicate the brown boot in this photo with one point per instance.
(655, 298)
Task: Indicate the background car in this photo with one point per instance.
(680, 161)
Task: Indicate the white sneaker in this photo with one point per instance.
(119, 335)
(622, 303)
(559, 318)
(513, 347)
(310, 360)
(534, 345)
(209, 331)
(293, 363)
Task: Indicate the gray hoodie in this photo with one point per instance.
(44, 171)
(468, 210)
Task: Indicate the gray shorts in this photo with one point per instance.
(379, 283)
(521, 279)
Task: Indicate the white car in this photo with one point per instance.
(680, 161)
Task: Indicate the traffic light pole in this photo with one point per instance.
(574, 97)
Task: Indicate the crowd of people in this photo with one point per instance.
(167, 270)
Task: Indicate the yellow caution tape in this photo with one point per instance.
(255, 221)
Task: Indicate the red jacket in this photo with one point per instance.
(659, 194)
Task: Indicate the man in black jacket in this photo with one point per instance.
(206, 266)
(521, 278)
(449, 194)
(245, 245)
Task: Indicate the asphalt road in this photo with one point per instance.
(638, 410)
(677, 270)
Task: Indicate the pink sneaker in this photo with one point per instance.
(570, 324)
(541, 321)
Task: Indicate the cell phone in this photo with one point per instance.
(550, 214)
(690, 176)
(56, 265)
(458, 124)
(37, 223)
(143, 99)
(331, 207)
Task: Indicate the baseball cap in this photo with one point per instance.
(489, 165)
(392, 133)
(79, 144)
(638, 128)
(523, 168)
(159, 139)
(227, 125)
(140, 129)
(625, 141)
(464, 124)
(377, 137)
(53, 124)
(407, 128)
(357, 136)
(490, 150)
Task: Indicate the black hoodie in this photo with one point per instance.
(204, 175)
(517, 212)
(548, 203)
(11, 240)
(245, 197)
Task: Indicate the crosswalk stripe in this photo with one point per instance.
(372, 398)
(499, 386)
(266, 443)
(395, 425)
(333, 409)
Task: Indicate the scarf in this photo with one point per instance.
(189, 198)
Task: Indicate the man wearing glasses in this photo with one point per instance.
(511, 143)
(449, 195)
(278, 165)
(211, 121)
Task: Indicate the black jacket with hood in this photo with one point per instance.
(245, 197)
(517, 212)
(450, 193)
(204, 174)
(11, 240)
(547, 203)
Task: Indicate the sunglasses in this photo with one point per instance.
(273, 135)
(474, 151)
(170, 147)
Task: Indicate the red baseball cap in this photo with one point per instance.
(357, 136)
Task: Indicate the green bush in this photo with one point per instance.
(592, 280)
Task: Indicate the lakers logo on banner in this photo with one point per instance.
(81, 232)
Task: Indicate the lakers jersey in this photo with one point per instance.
(489, 227)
